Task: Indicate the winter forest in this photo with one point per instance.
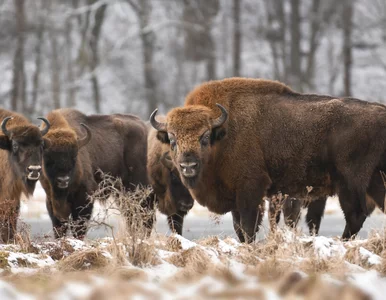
(104, 56)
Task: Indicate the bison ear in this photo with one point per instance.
(162, 136)
(46, 143)
(5, 143)
(217, 134)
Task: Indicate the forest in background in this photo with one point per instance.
(105, 56)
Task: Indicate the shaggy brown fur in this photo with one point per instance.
(331, 146)
(21, 149)
(118, 146)
(173, 198)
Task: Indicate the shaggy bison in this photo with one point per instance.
(224, 143)
(20, 162)
(173, 198)
(80, 146)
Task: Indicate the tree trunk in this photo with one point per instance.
(93, 43)
(18, 81)
(295, 76)
(55, 69)
(347, 45)
(71, 90)
(313, 42)
(236, 38)
(38, 63)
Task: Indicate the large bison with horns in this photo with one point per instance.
(22, 146)
(80, 146)
(224, 143)
(172, 197)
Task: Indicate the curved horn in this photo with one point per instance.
(86, 139)
(48, 125)
(167, 161)
(4, 126)
(157, 125)
(221, 119)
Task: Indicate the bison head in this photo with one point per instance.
(25, 145)
(192, 132)
(176, 192)
(60, 159)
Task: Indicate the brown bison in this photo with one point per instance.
(224, 144)
(22, 146)
(173, 198)
(80, 146)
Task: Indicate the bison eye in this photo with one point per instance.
(205, 139)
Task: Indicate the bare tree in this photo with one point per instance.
(295, 63)
(236, 38)
(143, 9)
(93, 44)
(19, 80)
(38, 56)
(199, 41)
(347, 16)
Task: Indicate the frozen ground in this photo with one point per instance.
(284, 266)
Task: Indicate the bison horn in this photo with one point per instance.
(48, 125)
(86, 139)
(221, 119)
(167, 161)
(4, 126)
(157, 125)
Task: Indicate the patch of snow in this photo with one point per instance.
(8, 292)
(185, 243)
(73, 290)
(226, 248)
(371, 283)
(372, 258)
(327, 247)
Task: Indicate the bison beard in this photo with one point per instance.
(118, 146)
(330, 146)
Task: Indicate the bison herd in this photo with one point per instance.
(234, 142)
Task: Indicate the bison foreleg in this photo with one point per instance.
(315, 214)
(80, 218)
(59, 228)
(237, 226)
(176, 222)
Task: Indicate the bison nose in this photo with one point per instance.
(186, 206)
(33, 172)
(189, 169)
(63, 181)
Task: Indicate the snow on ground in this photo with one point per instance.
(174, 267)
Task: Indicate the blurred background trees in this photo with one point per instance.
(104, 56)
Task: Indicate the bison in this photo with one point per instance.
(22, 146)
(173, 198)
(224, 143)
(80, 146)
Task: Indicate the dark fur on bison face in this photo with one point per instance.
(191, 132)
(25, 145)
(60, 159)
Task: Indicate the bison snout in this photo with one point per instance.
(185, 206)
(33, 172)
(63, 182)
(189, 169)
